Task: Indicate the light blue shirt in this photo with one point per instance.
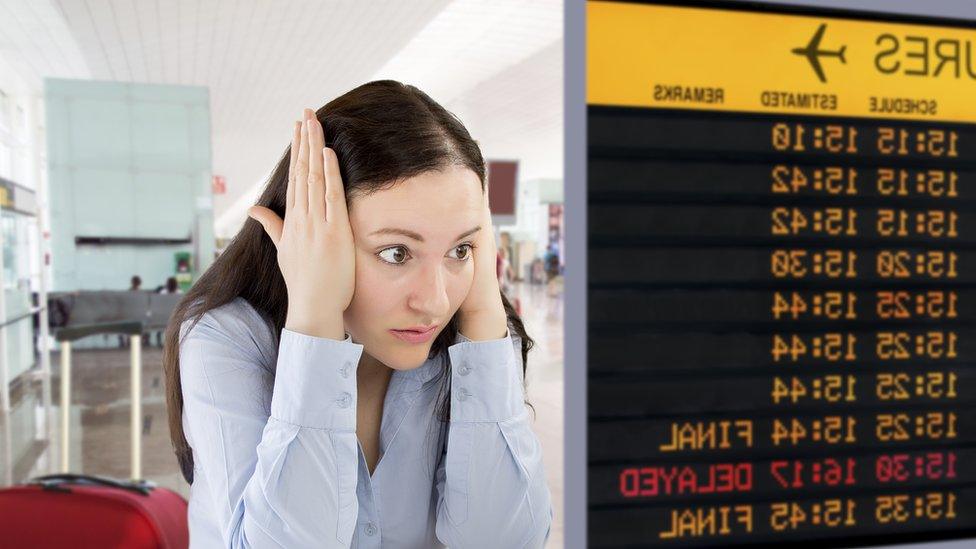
(277, 462)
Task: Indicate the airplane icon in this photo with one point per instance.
(813, 53)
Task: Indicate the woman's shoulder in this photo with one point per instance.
(235, 326)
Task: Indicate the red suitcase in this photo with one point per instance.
(77, 511)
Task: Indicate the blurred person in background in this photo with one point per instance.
(349, 367)
(506, 279)
(171, 287)
(554, 279)
(135, 285)
(505, 274)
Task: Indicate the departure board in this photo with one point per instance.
(781, 276)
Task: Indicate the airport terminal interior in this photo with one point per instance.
(135, 135)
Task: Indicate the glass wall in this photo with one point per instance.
(17, 293)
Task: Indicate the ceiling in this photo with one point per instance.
(497, 64)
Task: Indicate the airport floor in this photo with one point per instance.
(99, 416)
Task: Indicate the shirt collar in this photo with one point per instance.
(427, 371)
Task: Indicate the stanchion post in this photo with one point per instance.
(135, 343)
(65, 404)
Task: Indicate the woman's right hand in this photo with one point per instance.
(316, 252)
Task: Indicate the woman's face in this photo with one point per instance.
(414, 261)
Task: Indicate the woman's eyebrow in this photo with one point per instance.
(417, 237)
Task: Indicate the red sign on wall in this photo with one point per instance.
(502, 180)
(219, 184)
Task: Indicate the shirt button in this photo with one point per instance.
(370, 529)
(464, 369)
(463, 394)
(344, 400)
(344, 371)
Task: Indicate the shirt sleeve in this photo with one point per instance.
(491, 486)
(278, 452)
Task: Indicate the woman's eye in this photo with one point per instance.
(465, 253)
(395, 255)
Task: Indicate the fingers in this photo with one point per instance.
(296, 137)
(315, 184)
(488, 225)
(335, 192)
(269, 220)
(487, 208)
(316, 172)
(301, 176)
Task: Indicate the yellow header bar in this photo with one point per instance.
(732, 60)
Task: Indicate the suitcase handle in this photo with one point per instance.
(56, 482)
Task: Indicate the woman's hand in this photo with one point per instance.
(482, 315)
(316, 253)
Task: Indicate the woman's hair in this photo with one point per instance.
(382, 132)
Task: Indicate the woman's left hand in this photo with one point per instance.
(482, 315)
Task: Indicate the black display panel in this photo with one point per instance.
(781, 317)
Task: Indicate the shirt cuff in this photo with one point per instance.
(315, 381)
(485, 382)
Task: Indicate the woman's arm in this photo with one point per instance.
(491, 484)
(278, 456)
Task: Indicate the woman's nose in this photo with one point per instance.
(429, 294)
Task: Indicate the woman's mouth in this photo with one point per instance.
(414, 336)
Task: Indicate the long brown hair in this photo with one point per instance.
(382, 133)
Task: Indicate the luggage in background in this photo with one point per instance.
(78, 511)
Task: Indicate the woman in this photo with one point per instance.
(390, 411)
